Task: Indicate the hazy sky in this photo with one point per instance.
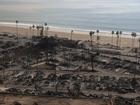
(34, 5)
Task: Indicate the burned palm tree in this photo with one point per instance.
(133, 34)
(120, 39)
(37, 27)
(98, 42)
(137, 56)
(46, 34)
(139, 43)
(97, 31)
(139, 51)
(45, 24)
(91, 33)
(30, 28)
(71, 34)
(70, 55)
(98, 38)
(17, 30)
(33, 29)
(117, 40)
(112, 37)
(46, 30)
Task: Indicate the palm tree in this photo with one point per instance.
(133, 34)
(117, 33)
(33, 29)
(71, 34)
(30, 28)
(98, 38)
(17, 30)
(91, 33)
(139, 42)
(70, 55)
(47, 30)
(112, 37)
(46, 34)
(97, 31)
(139, 49)
(45, 24)
(42, 31)
(37, 27)
(120, 39)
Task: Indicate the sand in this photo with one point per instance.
(105, 37)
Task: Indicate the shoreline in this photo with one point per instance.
(67, 29)
(78, 34)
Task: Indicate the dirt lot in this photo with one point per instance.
(9, 100)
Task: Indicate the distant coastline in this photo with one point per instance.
(68, 29)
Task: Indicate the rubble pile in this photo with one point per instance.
(62, 83)
(52, 66)
(124, 101)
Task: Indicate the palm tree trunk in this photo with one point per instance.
(112, 39)
(120, 42)
(37, 32)
(71, 34)
(33, 32)
(91, 53)
(69, 57)
(98, 42)
(132, 42)
(91, 42)
(92, 62)
(117, 42)
(139, 52)
(46, 32)
(17, 32)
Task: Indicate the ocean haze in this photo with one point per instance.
(88, 14)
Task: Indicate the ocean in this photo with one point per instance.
(87, 18)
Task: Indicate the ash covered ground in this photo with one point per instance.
(62, 68)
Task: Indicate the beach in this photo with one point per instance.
(125, 40)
